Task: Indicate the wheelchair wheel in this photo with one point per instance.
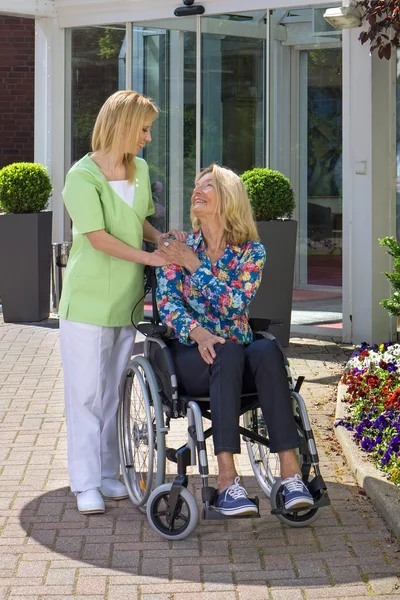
(266, 468)
(141, 432)
(264, 463)
(302, 518)
(185, 518)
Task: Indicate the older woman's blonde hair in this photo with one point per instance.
(122, 118)
(233, 206)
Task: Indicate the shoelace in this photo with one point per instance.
(236, 491)
(294, 484)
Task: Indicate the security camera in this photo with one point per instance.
(189, 9)
(344, 17)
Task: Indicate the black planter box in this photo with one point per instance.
(25, 263)
(274, 296)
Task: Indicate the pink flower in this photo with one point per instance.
(170, 272)
(250, 267)
(233, 263)
(224, 300)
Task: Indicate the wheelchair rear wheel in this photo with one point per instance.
(264, 463)
(266, 468)
(141, 432)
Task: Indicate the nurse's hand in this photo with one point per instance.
(156, 260)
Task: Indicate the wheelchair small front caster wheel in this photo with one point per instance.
(185, 516)
(301, 518)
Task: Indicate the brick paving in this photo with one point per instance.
(49, 551)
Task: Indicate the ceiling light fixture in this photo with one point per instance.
(344, 17)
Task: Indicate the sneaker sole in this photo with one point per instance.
(237, 511)
(94, 511)
(114, 497)
(300, 504)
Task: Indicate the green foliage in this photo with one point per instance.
(110, 43)
(270, 193)
(24, 188)
(392, 305)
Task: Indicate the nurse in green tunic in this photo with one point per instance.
(107, 194)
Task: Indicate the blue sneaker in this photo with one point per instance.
(234, 501)
(296, 493)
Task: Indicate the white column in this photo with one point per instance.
(50, 111)
(369, 200)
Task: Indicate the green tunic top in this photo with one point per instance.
(98, 288)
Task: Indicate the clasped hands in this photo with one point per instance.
(176, 251)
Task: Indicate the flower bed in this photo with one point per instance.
(372, 379)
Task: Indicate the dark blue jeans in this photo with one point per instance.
(236, 369)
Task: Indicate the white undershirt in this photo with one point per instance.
(124, 189)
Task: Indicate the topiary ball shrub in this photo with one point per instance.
(271, 194)
(24, 188)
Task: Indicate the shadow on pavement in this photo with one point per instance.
(348, 544)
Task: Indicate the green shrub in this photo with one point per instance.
(24, 188)
(392, 305)
(270, 193)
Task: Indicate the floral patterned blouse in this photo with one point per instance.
(214, 297)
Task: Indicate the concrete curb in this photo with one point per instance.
(384, 495)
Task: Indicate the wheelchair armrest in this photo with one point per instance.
(258, 324)
(151, 329)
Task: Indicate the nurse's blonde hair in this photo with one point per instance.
(233, 206)
(122, 118)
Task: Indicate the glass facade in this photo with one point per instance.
(97, 71)
(250, 89)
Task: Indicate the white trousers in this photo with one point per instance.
(94, 359)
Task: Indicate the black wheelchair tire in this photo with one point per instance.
(154, 513)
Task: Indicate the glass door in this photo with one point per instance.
(212, 70)
(164, 68)
(317, 299)
(233, 90)
(321, 168)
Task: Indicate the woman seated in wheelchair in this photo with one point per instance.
(203, 297)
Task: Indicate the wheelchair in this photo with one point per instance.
(150, 399)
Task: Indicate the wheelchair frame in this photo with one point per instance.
(171, 509)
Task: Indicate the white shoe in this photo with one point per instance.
(90, 502)
(113, 489)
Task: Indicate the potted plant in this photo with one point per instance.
(25, 242)
(272, 198)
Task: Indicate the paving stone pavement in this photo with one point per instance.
(48, 551)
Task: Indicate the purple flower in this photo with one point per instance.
(367, 444)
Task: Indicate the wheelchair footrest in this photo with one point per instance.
(211, 513)
(281, 510)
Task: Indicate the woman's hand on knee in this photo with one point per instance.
(207, 349)
(206, 342)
